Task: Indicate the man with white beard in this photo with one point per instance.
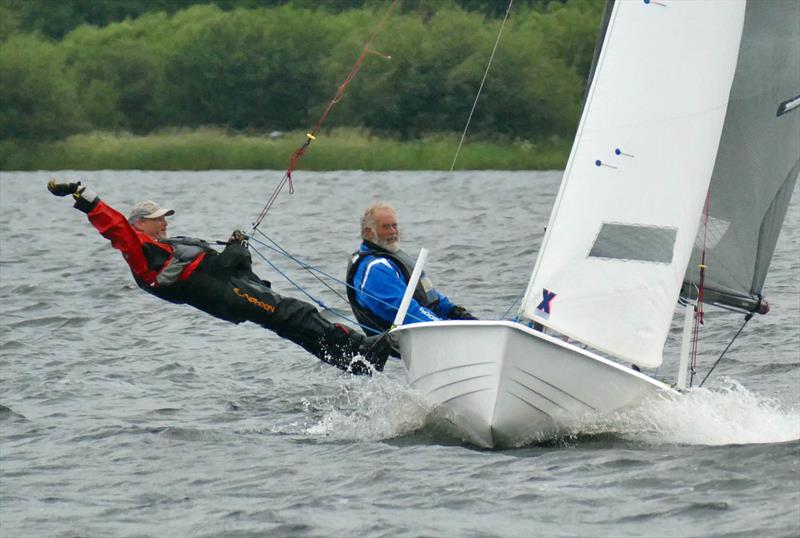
(378, 273)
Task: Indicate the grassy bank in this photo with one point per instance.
(208, 149)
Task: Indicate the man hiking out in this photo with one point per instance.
(185, 270)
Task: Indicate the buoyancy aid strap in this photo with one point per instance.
(186, 247)
(187, 253)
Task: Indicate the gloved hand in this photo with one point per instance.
(238, 236)
(85, 198)
(459, 312)
(63, 189)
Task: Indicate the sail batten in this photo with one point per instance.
(625, 219)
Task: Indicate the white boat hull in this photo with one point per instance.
(503, 384)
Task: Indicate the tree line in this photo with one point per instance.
(266, 65)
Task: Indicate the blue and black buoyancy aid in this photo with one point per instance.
(425, 294)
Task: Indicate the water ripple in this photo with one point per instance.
(123, 415)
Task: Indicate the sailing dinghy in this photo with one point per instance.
(676, 91)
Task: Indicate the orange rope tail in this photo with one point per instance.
(312, 135)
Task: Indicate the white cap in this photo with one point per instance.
(149, 210)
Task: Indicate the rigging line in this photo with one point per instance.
(284, 275)
(311, 269)
(480, 88)
(698, 307)
(695, 338)
(747, 318)
(320, 303)
(312, 135)
(516, 300)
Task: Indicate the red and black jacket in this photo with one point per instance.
(154, 264)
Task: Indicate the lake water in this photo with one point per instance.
(125, 416)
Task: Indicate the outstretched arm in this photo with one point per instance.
(110, 223)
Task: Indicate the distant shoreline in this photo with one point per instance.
(213, 149)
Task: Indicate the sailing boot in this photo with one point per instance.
(376, 349)
(382, 344)
(354, 352)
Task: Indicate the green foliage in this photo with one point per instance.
(395, 89)
(9, 22)
(262, 65)
(212, 149)
(37, 91)
(246, 69)
(56, 18)
(571, 32)
(120, 73)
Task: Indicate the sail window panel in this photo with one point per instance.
(634, 242)
(710, 232)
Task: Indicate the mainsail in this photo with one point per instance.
(757, 163)
(624, 223)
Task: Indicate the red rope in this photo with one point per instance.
(312, 135)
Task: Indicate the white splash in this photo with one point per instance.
(368, 409)
(377, 408)
(727, 415)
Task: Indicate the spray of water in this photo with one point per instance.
(380, 408)
(365, 409)
(730, 414)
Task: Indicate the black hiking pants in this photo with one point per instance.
(225, 286)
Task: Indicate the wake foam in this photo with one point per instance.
(378, 408)
(727, 415)
(371, 409)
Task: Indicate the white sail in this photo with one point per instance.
(625, 219)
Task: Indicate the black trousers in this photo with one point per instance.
(225, 286)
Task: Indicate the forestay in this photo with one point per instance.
(758, 159)
(625, 219)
